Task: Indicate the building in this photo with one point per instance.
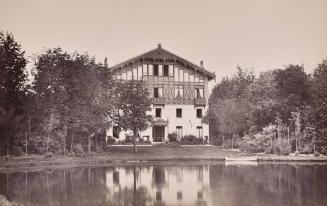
(179, 91)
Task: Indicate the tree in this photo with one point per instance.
(229, 106)
(74, 96)
(10, 122)
(12, 80)
(12, 72)
(319, 93)
(293, 90)
(132, 106)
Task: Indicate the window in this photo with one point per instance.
(179, 195)
(179, 130)
(181, 75)
(150, 69)
(198, 93)
(186, 76)
(179, 113)
(145, 69)
(129, 74)
(166, 71)
(199, 131)
(115, 132)
(199, 113)
(139, 72)
(155, 70)
(134, 73)
(176, 74)
(191, 78)
(171, 70)
(179, 92)
(160, 70)
(157, 92)
(158, 112)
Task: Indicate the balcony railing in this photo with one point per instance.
(159, 101)
(200, 101)
(158, 121)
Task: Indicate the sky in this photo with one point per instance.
(258, 34)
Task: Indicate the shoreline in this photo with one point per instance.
(82, 161)
(125, 155)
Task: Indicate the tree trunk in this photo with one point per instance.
(279, 134)
(72, 142)
(89, 144)
(47, 142)
(288, 136)
(25, 143)
(7, 145)
(134, 136)
(65, 139)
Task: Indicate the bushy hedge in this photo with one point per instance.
(191, 140)
(173, 137)
(265, 141)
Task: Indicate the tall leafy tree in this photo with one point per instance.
(12, 80)
(12, 72)
(319, 93)
(76, 91)
(229, 106)
(132, 106)
(293, 90)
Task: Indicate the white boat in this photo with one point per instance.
(241, 163)
(242, 159)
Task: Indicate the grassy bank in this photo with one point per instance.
(124, 154)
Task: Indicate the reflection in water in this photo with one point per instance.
(191, 184)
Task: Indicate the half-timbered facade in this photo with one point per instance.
(179, 93)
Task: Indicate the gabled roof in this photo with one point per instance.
(161, 55)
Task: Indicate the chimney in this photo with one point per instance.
(201, 63)
(159, 46)
(106, 62)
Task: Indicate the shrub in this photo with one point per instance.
(38, 145)
(172, 137)
(111, 140)
(191, 140)
(227, 144)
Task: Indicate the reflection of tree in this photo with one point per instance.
(272, 184)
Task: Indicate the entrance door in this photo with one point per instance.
(158, 133)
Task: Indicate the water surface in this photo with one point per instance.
(170, 184)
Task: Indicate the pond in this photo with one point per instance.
(170, 184)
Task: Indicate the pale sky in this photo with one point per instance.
(259, 34)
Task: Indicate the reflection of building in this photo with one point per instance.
(167, 185)
(179, 92)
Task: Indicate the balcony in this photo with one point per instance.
(158, 121)
(200, 102)
(158, 101)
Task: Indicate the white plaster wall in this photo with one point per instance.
(189, 121)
